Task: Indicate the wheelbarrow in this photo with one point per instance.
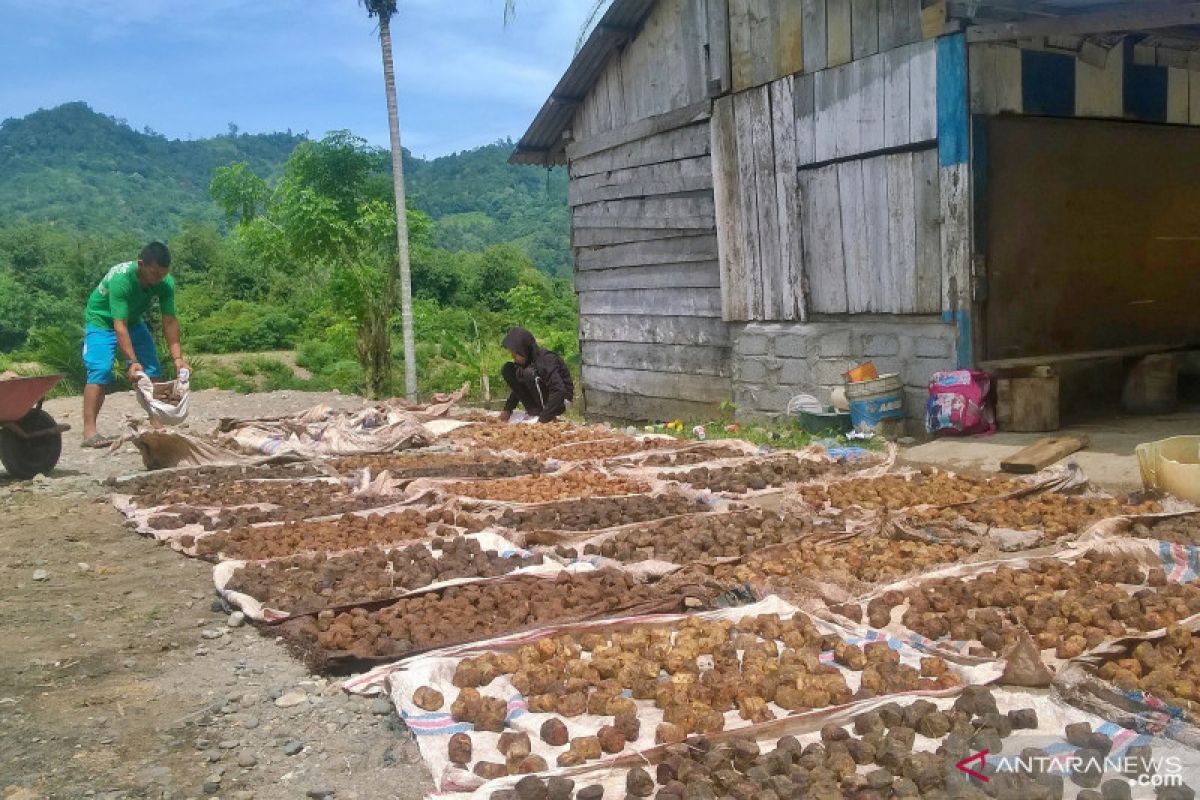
(30, 439)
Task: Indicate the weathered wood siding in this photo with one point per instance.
(828, 191)
(1102, 77)
(645, 243)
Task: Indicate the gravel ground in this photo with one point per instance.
(120, 678)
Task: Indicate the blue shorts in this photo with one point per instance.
(100, 348)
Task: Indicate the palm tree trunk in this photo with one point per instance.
(406, 317)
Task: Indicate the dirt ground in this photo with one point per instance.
(120, 678)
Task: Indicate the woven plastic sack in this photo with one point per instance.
(958, 403)
(167, 402)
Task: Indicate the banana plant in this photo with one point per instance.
(471, 351)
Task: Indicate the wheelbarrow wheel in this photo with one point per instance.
(24, 458)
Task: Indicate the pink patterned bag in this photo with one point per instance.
(958, 403)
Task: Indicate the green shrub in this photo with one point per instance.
(239, 326)
(346, 376)
(318, 356)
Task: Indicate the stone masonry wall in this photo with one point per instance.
(774, 361)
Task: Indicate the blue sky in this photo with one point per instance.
(187, 68)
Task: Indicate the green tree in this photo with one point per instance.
(238, 191)
(384, 10)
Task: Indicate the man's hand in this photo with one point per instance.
(134, 369)
(505, 416)
(181, 365)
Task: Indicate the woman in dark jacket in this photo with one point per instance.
(538, 379)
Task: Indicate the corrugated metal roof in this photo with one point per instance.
(543, 143)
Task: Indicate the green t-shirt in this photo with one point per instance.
(120, 296)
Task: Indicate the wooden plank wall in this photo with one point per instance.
(646, 273)
(667, 66)
(1111, 80)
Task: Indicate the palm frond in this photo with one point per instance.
(384, 9)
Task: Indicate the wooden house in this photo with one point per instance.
(765, 192)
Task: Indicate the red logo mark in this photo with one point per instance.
(981, 757)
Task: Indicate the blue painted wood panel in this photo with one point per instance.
(953, 134)
(1048, 83)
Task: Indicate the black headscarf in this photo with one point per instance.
(520, 341)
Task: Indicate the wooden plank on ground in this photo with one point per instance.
(813, 32)
(702, 247)
(896, 80)
(679, 302)
(671, 177)
(1100, 90)
(864, 27)
(746, 109)
(741, 44)
(687, 358)
(729, 223)
(839, 44)
(923, 92)
(694, 274)
(854, 236)
(688, 142)
(771, 278)
(654, 328)
(791, 257)
(902, 236)
(1042, 453)
(821, 239)
(648, 383)
(803, 91)
(642, 129)
(928, 216)
(879, 277)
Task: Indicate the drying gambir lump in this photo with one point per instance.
(610, 448)
(149, 489)
(1179, 530)
(333, 535)
(548, 488)
(1056, 514)
(1067, 607)
(595, 513)
(695, 672)
(308, 584)
(700, 536)
(285, 494)
(1168, 668)
(894, 492)
(440, 465)
(757, 475)
(866, 559)
(877, 757)
(227, 518)
(471, 612)
(532, 439)
(693, 455)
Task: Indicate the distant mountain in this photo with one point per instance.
(74, 167)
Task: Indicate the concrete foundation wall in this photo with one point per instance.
(774, 361)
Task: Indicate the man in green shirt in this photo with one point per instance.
(113, 322)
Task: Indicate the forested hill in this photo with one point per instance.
(75, 168)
